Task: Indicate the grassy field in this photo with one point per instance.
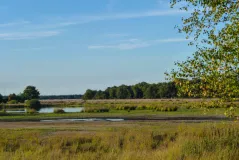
(119, 140)
(153, 129)
(135, 114)
(128, 109)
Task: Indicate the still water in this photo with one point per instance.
(49, 110)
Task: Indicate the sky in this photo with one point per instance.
(66, 47)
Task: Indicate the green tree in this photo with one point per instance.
(123, 92)
(215, 64)
(107, 93)
(89, 94)
(137, 92)
(151, 92)
(33, 104)
(20, 98)
(31, 92)
(112, 92)
(166, 90)
(12, 97)
(1, 98)
(100, 95)
(143, 86)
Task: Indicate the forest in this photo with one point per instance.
(137, 91)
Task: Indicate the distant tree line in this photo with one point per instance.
(30, 92)
(74, 96)
(138, 91)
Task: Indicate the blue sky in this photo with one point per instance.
(66, 47)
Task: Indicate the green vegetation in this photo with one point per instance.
(12, 102)
(1, 98)
(138, 91)
(124, 140)
(33, 104)
(57, 110)
(215, 65)
(12, 97)
(123, 108)
(50, 97)
(63, 103)
(31, 92)
(212, 73)
(96, 109)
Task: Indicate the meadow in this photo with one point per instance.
(127, 109)
(134, 140)
(166, 129)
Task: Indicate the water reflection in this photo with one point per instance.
(48, 110)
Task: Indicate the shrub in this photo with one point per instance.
(96, 109)
(59, 111)
(33, 104)
(12, 102)
(103, 110)
(142, 107)
(31, 111)
(130, 108)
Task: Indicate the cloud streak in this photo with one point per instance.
(17, 23)
(154, 13)
(82, 19)
(27, 35)
(31, 49)
(135, 44)
(115, 35)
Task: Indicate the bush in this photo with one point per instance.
(142, 107)
(12, 102)
(59, 111)
(126, 107)
(31, 111)
(33, 104)
(95, 109)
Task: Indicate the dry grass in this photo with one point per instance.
(124, 140)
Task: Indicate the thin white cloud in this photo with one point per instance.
(122, 46)
(76, 20)
(136, 43)
(115, 35)
(82, 19)
(171, 40)
(27, 35)
(16, 23)
(31, 49)
(154, 13)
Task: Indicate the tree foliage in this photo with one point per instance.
(12, 97)
(89, 94)
(74, 96)
(215, 65)
(1, 98)
(33, 104)
(138, 91)
(31, 92)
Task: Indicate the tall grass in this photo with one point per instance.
(206, 141)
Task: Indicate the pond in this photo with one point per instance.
(49, 110)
